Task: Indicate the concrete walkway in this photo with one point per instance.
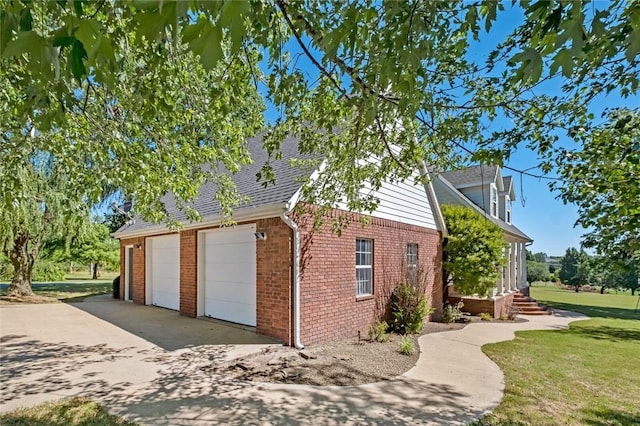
(53, 351)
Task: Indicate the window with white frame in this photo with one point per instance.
(507, 209)
(412, 255)
(412, 263)
(493, 193)
(364, 267)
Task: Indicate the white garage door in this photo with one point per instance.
(229, 274)
(163, 271)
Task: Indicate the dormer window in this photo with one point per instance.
(507, 209)
(494, 200)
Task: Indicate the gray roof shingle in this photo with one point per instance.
(288, 180)
(471, 175)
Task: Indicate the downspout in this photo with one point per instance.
(296, 278)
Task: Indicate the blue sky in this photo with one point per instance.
(537, 210)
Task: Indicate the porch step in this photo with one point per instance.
(529, 306)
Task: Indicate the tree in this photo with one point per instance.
(378, 71)
(537, 271)
(474, 251)
(540, 257)
(96, 248)
(574, 268)
(601, 178)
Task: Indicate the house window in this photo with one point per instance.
(507, 209)
(412, 255)
(364, 267)
(494, 200)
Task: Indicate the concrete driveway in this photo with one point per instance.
(151, 365)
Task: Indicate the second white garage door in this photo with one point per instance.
(163, 271)
(229, 274)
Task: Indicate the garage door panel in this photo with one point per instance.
(234, 291)
(164, 271)
(230, 274)
(238, 274)
(230, 251)
(232, 311)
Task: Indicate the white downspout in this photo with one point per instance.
(296, 279)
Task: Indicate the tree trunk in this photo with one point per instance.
(95, 271)
(602, 289)
(22, 260)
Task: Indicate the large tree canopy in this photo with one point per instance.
(147, 91)
(602, 178)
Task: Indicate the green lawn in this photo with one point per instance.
(587, 375)
(75, 288)
(72, 411)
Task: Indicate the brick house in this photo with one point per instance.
(273, 270)
(485, 190)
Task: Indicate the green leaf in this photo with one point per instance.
(563, 59)
(26, 42)
(209, 46)
(77, 6)
(78, 54)
(26, 20)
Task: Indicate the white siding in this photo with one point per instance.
(404, 202)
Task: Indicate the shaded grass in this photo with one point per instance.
(72, 411)
(586, 375)
(66, 291)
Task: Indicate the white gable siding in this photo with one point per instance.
(478, 197)
(404, 202)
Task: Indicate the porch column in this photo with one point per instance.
(523, 263)
(512, 267)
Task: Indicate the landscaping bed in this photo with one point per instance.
(346, 362)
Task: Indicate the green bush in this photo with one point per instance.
(452, 313)
(378, 331)
(406, 346)
(45, 270)
(408, 308)
(486, 316)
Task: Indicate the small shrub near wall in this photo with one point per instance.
(409, 309)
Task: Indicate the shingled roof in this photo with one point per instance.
(471, 175)
(288, 180)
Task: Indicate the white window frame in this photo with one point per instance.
(493, 200)
(412, 257)
(364, 287)
(507, 209)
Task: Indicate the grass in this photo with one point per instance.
(75, 288)
(586, 375)
(72, 411)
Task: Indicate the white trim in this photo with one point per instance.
(244, 215)
(507, 209)
(126, 277)
(433, 201)
(296, 278)
(493, 195)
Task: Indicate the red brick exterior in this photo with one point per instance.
(329, 307)
(274, 278)
(497, 306)
(138, 268)
(189, 273)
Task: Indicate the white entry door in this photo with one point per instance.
(228, 277)
(163, 271)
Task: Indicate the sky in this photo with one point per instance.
(537, 210)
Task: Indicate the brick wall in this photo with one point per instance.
(274, 280)
(497, 306)
(138, 268)
(189, 273)
(329, 307)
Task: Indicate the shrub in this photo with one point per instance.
(45, 270)
(452, 313)
(406, 346)
(486, 316)
(409, 308)
(378, 331)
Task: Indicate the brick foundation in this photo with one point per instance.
(497, 306)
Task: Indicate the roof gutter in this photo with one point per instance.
(296, 278)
